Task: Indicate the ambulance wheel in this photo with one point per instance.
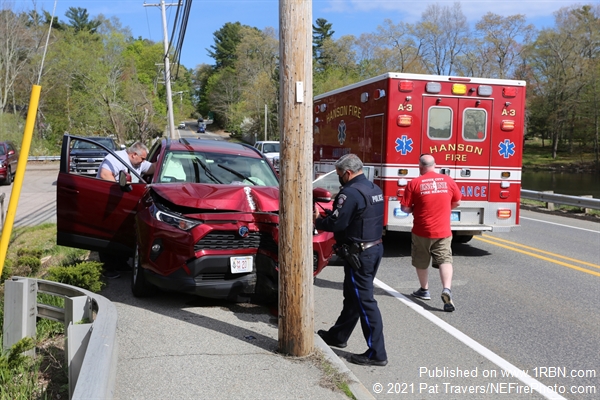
(461, 238)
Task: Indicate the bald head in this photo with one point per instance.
(426, 163)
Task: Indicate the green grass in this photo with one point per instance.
(534, 155)
(33, 252)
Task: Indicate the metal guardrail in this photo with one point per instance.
(548, 197)
(90, 326)
(43, 158)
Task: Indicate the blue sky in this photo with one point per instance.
(349, 17)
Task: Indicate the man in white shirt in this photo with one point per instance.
(135, 156)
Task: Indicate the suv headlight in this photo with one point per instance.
(173, 219)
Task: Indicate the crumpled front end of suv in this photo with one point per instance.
(212, 240)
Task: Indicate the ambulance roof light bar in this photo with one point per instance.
(509, 92)
(405, 86)
(484, 90)
(433, 87)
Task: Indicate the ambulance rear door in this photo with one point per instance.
(456, 131)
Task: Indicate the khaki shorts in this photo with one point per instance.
(424, 250)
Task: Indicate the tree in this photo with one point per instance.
(564, 62)
(443, 32)
(501, 42)
(79, 20)
(322, 33)
(17, 46)
(399, 51)
(226, 40)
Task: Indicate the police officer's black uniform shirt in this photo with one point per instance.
(349, 221)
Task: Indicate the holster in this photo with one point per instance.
(350, 254)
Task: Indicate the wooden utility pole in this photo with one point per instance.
(296, 302)
(170, 118)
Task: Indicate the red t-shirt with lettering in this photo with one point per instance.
(430, 196)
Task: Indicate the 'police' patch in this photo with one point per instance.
(341, 200)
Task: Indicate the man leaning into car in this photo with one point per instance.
(134, 156)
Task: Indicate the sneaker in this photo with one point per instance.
(421, 294)
(447, 299)
(111, 274)
(330, 342)
(362, 359)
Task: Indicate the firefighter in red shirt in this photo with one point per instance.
(430, 198)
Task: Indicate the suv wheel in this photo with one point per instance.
(140, 287)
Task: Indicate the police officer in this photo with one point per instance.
(357, 224)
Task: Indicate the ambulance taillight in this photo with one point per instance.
(404, 120)
(503, 213)
(507, 125)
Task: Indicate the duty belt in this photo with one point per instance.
(366, 245)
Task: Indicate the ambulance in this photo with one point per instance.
(473, 127)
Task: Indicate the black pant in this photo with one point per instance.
(359, 303)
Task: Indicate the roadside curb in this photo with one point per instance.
(356, 387)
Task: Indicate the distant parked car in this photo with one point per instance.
(181, 125)
(8, 162)
(207, 223)
(86, 157)
(271, 150)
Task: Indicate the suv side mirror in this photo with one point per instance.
(125, 186)
(123, 147)
(321, 195)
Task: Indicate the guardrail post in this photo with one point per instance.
(20, 311)
(587, 210)
(549, 206)
(78, 337)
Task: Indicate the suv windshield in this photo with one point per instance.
(216, 168)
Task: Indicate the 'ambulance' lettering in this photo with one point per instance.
(473, 191)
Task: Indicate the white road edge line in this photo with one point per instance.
(567, 226)
(536, 385)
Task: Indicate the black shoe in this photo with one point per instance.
(325, 336)
(111, 274)
(362, 359)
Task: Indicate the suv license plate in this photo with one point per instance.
(455, 216)
(240, 264)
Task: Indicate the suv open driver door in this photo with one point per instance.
(92, 213)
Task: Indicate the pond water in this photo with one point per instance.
(571, 183)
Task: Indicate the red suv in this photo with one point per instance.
(8, 162)
(206, 222)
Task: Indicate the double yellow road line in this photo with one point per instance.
(533, 252)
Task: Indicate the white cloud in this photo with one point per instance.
(472, 9)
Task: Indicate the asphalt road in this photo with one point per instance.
(531, 297)
(528, 299)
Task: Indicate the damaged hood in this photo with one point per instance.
(220, 197)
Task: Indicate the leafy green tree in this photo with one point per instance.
(564, 65)
(226, 41)
(321, 33)
(256, 65)
(79, 19)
